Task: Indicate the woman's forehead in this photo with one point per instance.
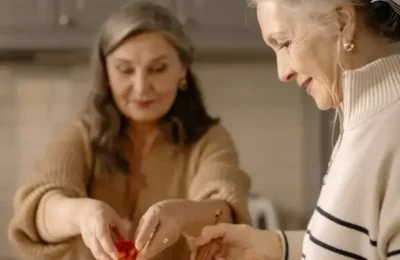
(274, 19)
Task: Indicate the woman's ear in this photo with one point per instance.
(184, 70)
(347, 17)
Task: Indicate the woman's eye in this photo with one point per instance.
(159, 69)
(123, 70)
(284, 45)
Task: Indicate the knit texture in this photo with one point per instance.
(358, 211)
(206, 170)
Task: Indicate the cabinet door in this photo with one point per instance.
(27, 24)
(26, 15)
(89, 15)
(223, 25)
(80, 20)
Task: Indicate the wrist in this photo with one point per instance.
(203, 213)
(268, 245)
(283, 245)
(56, 217)
(82, 208)
(73, 209)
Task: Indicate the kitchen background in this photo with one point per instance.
(282, 139)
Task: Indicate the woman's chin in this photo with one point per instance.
(323, 103)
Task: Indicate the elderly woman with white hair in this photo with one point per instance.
(339, 52)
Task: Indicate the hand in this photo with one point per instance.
(160, 227)
(235, 242)
(95, 223)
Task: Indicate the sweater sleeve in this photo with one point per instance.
(389, 217)
(64, 167)
(217, 174)
(292, 242)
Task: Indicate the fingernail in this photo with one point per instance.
(114, 256)
(138, 246)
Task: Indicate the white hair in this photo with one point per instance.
(318, 12)
(313, 6)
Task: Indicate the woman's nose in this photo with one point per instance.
(140, 83)
(285, 71)
(286, 76)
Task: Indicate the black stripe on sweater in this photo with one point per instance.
(334, 249)
(346, 224)
(393, 253)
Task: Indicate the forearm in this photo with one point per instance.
(57, 216)
(203, 213)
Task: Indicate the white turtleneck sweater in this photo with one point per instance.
(358, 211)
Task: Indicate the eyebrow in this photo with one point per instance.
(158, 58)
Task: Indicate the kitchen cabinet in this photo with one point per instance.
(22, 15)
(34, 25)
(80, 20)
(85, 15)
(22, 21)
(224, 25)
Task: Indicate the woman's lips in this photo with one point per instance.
(144, 103)
(309, 89)
(307, 86)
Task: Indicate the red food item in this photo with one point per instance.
(126, 250)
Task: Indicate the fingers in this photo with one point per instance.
(98, 252)
(93, 244)
(90, 240)
(160, 240)
(221, 258)
(212, 232)
(222, 255)
(149, 224)
(212, 250)
(120, 228)
(97, 236)
(216, 252)
(193, 255)
(104, 240)
(97, 227)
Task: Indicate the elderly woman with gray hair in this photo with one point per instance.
(144, 160)
(339, 52)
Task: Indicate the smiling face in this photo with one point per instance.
(145, 73)
(303, 54)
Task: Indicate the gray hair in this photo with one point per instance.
(380, 20)
(139, 17)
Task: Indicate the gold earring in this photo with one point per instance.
(348, 46)
(183, 84)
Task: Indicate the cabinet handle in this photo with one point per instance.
(64, 20)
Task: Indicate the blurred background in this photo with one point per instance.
(283, 140)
